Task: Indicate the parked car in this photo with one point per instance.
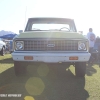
(2, 47)
(51, 40)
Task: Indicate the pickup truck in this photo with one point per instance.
(51, 40)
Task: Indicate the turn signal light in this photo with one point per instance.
(28, 57)
(73, 58)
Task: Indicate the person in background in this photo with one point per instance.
(91, 37)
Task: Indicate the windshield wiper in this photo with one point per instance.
(53, 29)
(36, 30)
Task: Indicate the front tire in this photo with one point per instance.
(80, 69)
(19, 68)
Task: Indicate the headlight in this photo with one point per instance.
(19, 45)
(81, 46)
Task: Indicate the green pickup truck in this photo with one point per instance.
(51, 40)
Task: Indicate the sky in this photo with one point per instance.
(14, 13)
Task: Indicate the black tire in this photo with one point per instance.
(2, 51)
(19, 68)
(80, 69)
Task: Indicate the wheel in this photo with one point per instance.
(80, 69)
(3, 51)
(19, 68)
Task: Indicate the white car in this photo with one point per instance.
(2, 47)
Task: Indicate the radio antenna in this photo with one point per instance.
(25, 16)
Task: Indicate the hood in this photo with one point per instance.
(50, 34)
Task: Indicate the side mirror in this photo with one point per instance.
(20, 31)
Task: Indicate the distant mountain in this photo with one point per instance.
(2, 32)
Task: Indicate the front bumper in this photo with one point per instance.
(51, 57)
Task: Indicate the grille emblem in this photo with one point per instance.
(50, 45)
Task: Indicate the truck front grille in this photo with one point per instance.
(51, 45)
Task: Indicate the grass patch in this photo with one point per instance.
(64, 86)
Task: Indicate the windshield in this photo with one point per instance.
(49, 24)
(50, 27)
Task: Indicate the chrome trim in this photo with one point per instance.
(85, 40)
(84, 43)
(50, 45)
(59, 45)
(50, 52)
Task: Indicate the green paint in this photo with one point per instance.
(49, 34)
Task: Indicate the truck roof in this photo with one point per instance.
(51, 18)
